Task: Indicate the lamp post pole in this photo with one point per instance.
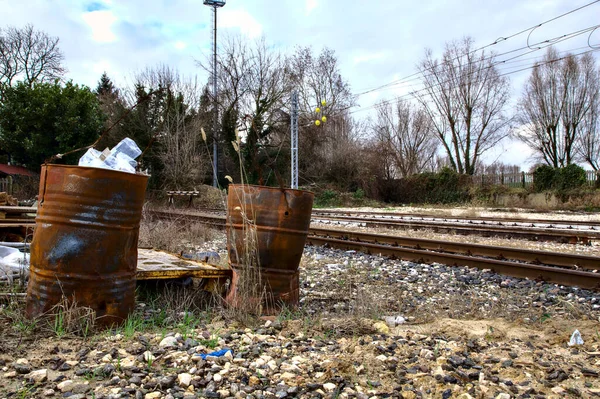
(215, 4)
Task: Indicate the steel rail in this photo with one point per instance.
(483, 219)
(565, 276)
(501, 253)
(561, 236)
(538, 234)
(550, 274)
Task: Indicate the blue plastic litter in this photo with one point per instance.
(220, 353)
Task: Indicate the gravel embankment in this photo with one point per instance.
(461, 333)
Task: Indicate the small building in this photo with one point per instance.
(11, 175)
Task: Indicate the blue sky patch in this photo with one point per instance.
(95, 6)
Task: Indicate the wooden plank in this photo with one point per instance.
(157, 265)
(18, 224)
(18, 209)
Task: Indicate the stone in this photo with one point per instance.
(148, 357)
(503, 395)
(65, 386)
(153, 395)
(184, 379)
(38, 376)
(48, 392)
(168, 342)
(329, 387)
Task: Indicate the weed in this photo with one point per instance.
(59, 323)
(188, 325)
(24, 392)
(69, 318)
(133, 324)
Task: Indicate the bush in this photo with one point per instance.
(444, 187)
(543, 178)
(327, 198)
(570, 177)
(547, 178)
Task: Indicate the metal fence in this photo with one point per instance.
(523, 179)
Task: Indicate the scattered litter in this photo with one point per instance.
(576, 339)
(12, 263)
(394, 321)
(219, 353)
(121, 157)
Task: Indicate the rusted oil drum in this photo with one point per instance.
(281, 219)
(85, 242)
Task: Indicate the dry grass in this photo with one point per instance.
(68, 318)
(174, 235)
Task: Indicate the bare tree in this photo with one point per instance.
(254, 83)
(170, 122)
(407, 135)
(588, 148)
(28, 55)
(465, 97)
(558, 101)
(317, 78)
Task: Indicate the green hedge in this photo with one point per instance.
(546, 178)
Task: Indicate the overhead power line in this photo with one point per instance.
(499, 40)
(535, 65)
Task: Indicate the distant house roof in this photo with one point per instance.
(12, 170)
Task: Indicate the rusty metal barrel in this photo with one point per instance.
(278, 220)
(84, 246)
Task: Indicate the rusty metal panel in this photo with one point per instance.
(85, 241)
(280, 219)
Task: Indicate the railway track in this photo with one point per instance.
(565, 269)
(529, 230)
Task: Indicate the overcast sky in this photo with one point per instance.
(377, 42)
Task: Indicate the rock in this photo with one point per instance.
(152, 395)
(22, 368)
(217, 378)
(148, 357)
(10, 374)
(254, 380)
(329, 387)
(503, 395)
(168, 342)
(166, 382)
(184, 379)
(381, 327)
(48, 392)
(65, 386)
(38, 376)
(558, 390)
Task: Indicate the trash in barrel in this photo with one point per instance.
(278, 220)
(85, 243)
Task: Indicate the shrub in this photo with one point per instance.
(560, 179)
(570, 177)
(543, 178)
(327, 198)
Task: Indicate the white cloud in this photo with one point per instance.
(366, 57)
(179, 45)
(100, 22)
(311, 5)
(242, 19)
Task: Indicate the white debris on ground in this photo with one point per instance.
(121, 157)
(13, 263)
